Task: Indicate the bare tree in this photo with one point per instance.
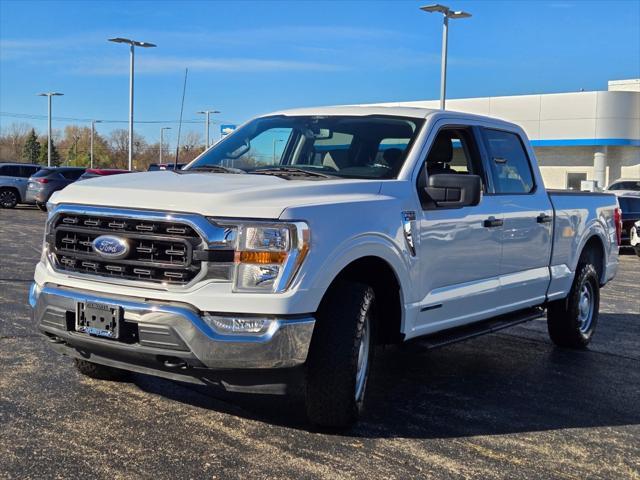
(12, 140)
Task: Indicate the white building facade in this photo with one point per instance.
(576, 136)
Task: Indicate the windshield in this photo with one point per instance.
(626, 185)
(342, 146)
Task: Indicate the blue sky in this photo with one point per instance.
(247, 58)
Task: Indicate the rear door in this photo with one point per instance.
(528, 219)
(459, 249)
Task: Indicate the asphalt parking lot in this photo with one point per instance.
(508, 405)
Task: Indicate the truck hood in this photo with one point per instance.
(213, 194)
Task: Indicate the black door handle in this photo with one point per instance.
(544, 218)
(493, 222)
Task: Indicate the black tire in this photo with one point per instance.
(100, 372)
(41, 206)
(637, 249)
(566, 320)
(9, 198)
(345, 320)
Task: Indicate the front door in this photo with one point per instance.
(458, 250)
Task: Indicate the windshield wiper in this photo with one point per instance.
(290, 171)
(214, 168)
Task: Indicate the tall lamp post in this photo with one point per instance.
(49, 95)
(447, 13)
(93, 131)
(206, 124)
(132, 44)
(162, 141)
(275, 140)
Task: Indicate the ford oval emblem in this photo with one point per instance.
(110, 246)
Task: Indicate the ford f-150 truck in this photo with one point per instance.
(291, 248)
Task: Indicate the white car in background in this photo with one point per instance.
(635, 237)
(625, 186)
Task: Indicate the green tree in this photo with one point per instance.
(56, 161)
(31, 150)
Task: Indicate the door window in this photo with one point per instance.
(10, 170)
(508, 161)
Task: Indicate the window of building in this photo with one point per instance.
(574, 180)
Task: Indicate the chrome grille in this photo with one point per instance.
(159, 251)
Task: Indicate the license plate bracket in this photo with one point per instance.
(99, 319)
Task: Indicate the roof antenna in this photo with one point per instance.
(184, 89)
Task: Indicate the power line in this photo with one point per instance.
(31, 116)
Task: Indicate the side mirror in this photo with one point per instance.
(448, 190)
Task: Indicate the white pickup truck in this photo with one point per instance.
(292, 247)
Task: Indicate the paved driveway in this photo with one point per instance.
(509, 405)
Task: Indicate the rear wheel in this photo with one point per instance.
(100, 372)
(572, 321)
(8, 198)
(41, 206)
(340, 355)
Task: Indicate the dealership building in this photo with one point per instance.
(576, 136)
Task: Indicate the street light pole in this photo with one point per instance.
(206, 125)
(132, 44)
(274, 148)
(93, 131)
(162, 141)
(49, 95)
(447, 13)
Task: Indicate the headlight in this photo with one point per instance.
(268, 255)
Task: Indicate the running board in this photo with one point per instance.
(466, 332)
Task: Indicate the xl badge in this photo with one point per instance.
(111, 247)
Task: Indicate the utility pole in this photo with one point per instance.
(93, 131)
(206, 125)
(49, 95)
(162, 141)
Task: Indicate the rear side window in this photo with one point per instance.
(43, 172)
(72, 174)
(508, 161)
(27, 171)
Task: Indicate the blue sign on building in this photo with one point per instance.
(227, 129)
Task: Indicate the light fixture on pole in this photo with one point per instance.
(93, 131)
(49, 95)
(275, 140)
(132, 44)
(447, 13)
(206, 125)
(162, 141)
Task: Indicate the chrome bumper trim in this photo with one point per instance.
(284, 344)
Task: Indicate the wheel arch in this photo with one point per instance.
(593, 249)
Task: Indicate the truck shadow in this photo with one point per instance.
(493, 385)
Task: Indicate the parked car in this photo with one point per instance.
(13, 182)
(45, 181)
(624, 186)
(252, 271)
(101, 172)
(635, 237)
(165, 166)
(630, 207)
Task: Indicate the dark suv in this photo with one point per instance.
(48, 180)
(13, 182)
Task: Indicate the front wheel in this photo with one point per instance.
(340, 355)
(572, 321)
(8, 198)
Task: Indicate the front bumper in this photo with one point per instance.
(168, 334)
